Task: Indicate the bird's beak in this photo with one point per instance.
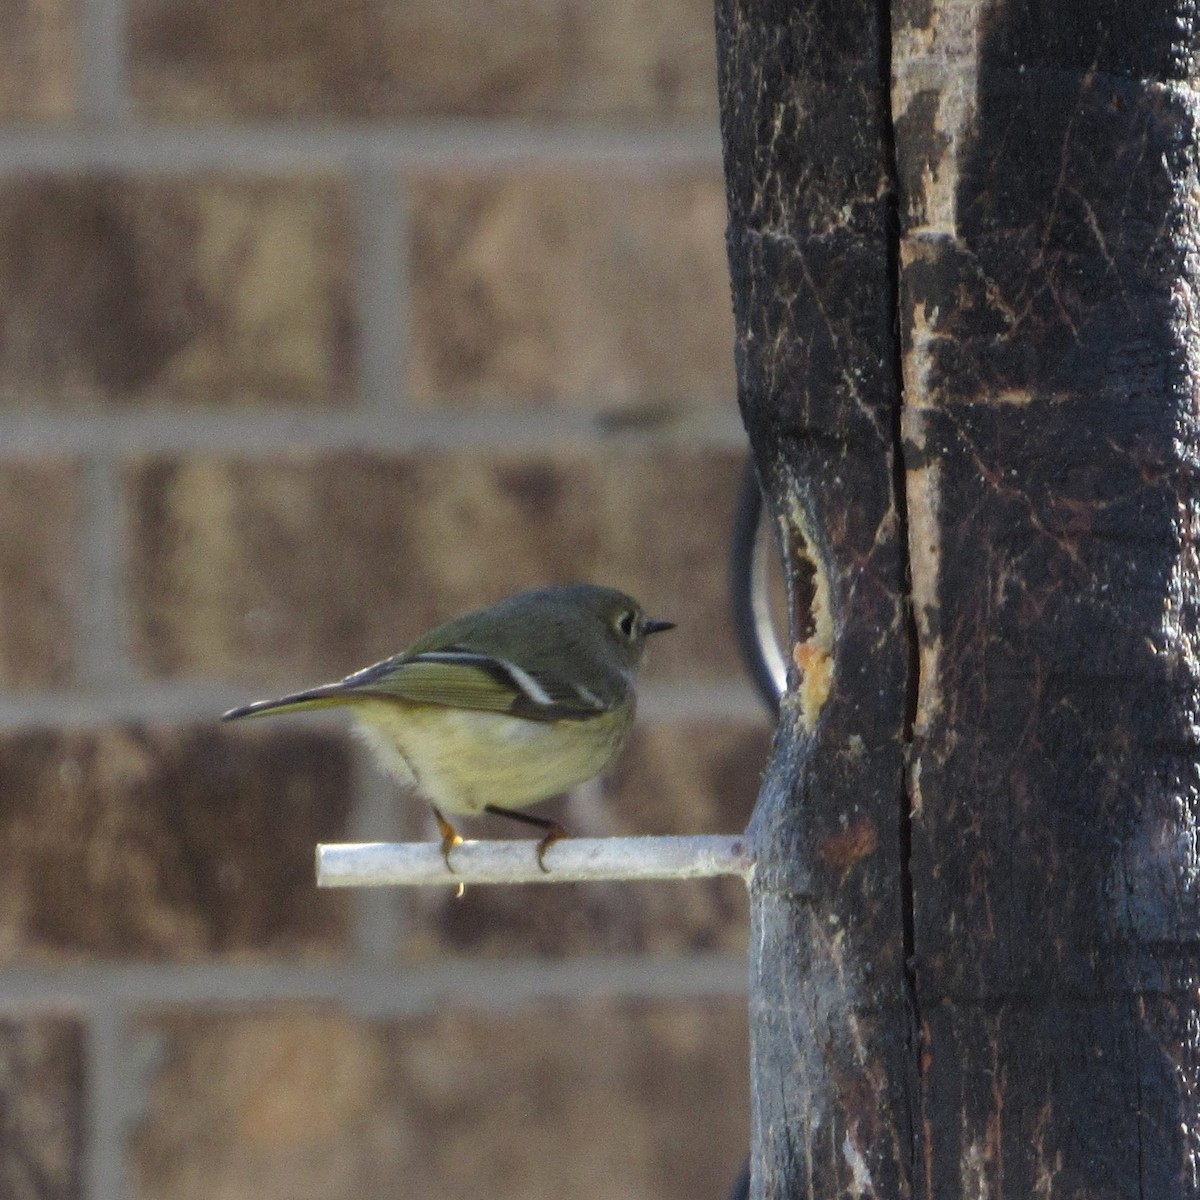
(657, 627)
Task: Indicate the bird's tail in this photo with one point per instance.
(329, 695)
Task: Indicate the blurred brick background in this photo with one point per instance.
(321, 320)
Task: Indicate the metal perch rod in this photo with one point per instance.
(571, 860)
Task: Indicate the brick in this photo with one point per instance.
(615, 59)
(590, 1100)
(289, 571)
(604, 289)
(213, 290)
(39, 59)
(168, 845)
(39, 572)
(41, 1130)
(673, 778)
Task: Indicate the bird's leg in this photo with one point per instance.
(553, 831)
(450, 836)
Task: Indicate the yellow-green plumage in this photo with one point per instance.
(464, 759)
(503, 707)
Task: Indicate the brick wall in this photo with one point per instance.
(321, 320)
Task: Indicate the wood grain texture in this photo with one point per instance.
(805, 123)
(1051, 440)
(974, 918)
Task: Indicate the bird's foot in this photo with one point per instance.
(554, 833)
(450, 838)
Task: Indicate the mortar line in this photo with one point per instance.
(382, 287)
(378, 912)
(108, 1101)
(99, 652)
(148, 147)
(103, 80)
(396, 988)
(182, 702)
(277, 433)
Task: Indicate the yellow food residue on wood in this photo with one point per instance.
(813, 657)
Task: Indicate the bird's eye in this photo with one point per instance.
(627, 624)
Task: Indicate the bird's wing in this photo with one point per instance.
(462, 678)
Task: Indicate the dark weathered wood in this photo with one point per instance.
(975, 960)
(1050, 367)
(811, 238)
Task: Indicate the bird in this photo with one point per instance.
(501, 708)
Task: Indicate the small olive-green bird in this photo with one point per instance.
(500, 708)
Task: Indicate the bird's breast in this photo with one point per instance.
(463, 759)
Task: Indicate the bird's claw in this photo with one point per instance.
(450, 838)
(555, 833)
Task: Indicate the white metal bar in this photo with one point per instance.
(378, 864)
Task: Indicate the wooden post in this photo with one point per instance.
(977, 895)
(812, 248)
(1051, 369)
